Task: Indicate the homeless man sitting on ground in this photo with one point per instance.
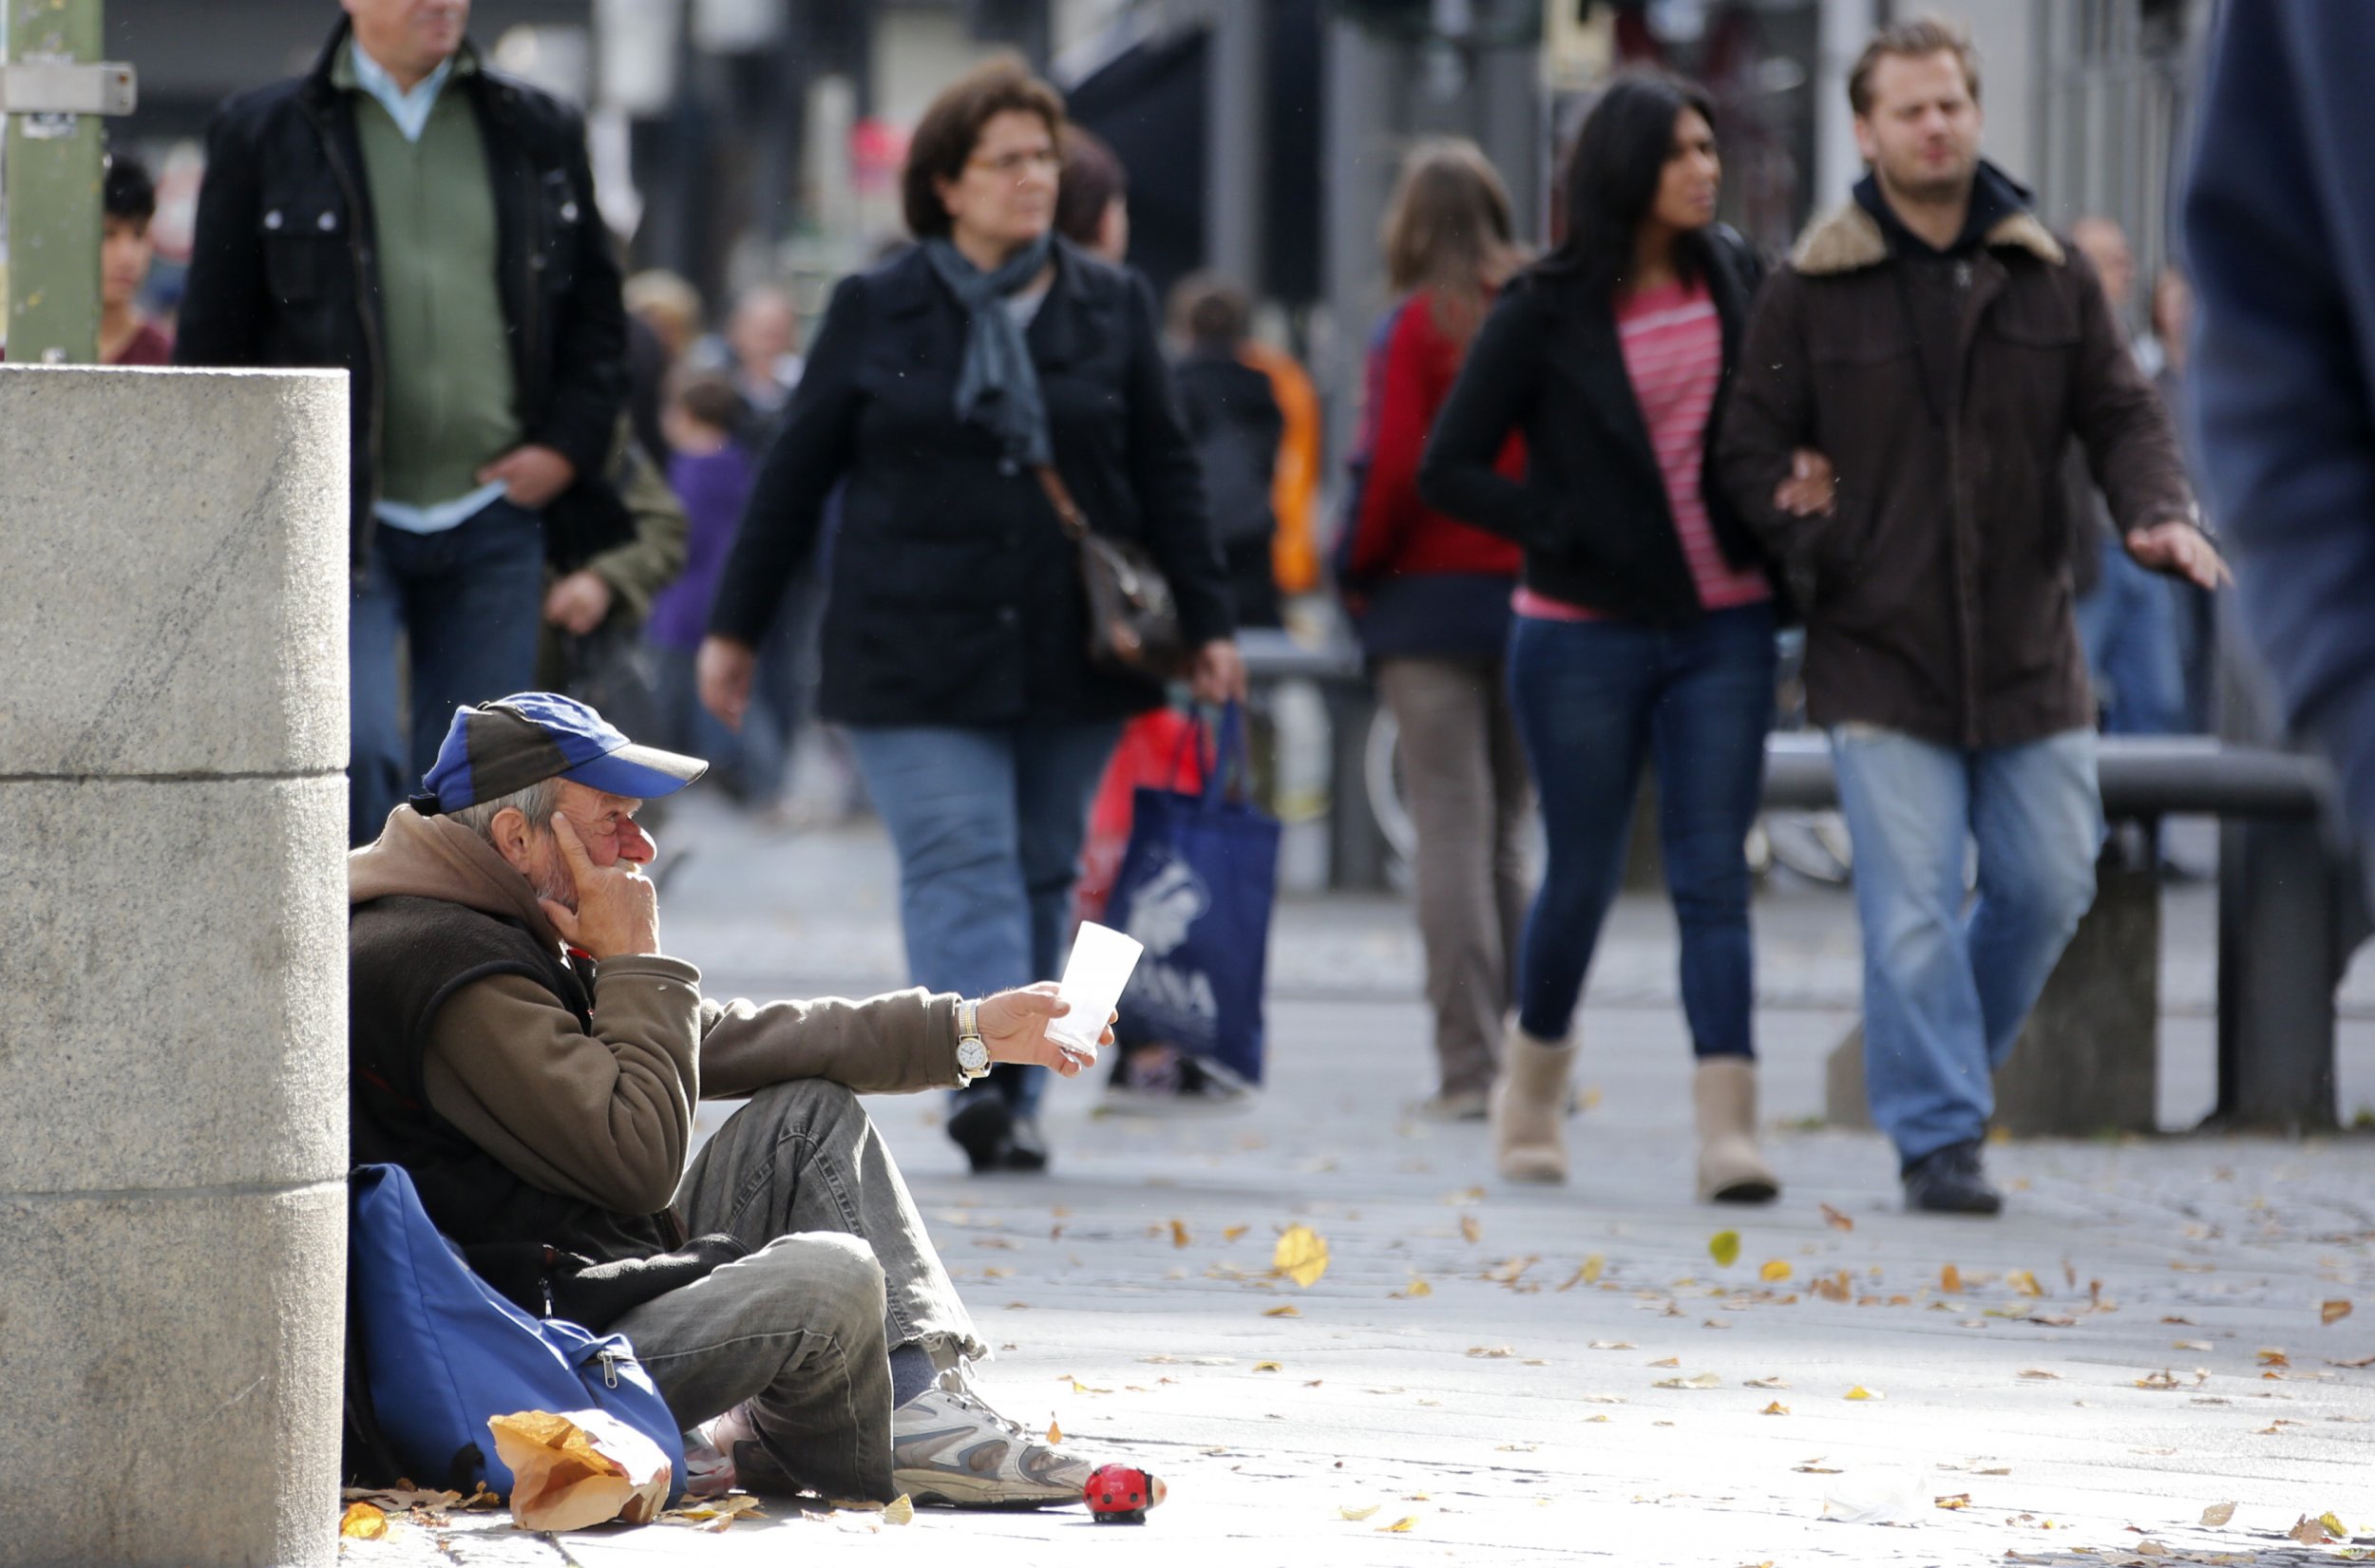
(523, 1049)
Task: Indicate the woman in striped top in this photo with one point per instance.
(1645, 613)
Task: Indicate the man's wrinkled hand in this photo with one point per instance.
(2179, 550)
(1013, 1027)
(617, 909)
(579, 602)
(531, 476)
(1812, 487)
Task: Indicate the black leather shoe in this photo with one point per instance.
(983, 1125)
(1949, 1181)
(1026, 1146)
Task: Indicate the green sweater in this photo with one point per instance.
(449, 397)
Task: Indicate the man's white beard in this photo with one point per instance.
(554, 885)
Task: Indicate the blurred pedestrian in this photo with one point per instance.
(1093, 196)
(2167, 362)
(1430, 597)
(2127, 616)
(1234, 424)
(1945, 349)
(405, 214)
(758, 352)
(127, 203)
(1645, 621)
(663, 324)
(2279, 214)
(945, 388)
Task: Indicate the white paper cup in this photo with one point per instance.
(1099, 968)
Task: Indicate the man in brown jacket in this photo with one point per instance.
(520, 1046)
(1942, 348)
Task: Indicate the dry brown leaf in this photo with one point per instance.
(1776, 1408)
(1669, 1360)
(1302, 1256)
(1289, 1310)
(2352, 1361)
(1179, 1232)
(1837, 1220)
(1960, 1499)
(1055, 1433)
(2217, 1513)
(1951, 1280)
(361, 1521)
(2024, 1282)
(1812, 1469)
(1400, 1526)
(1766, 1383)
(1268, 1367)
(2039, 1373)
(2334, 1310)
(1234, 1232)
(899, 1510)
(1612, 1345)
(1470, 1228)
(1588, 1272)
(1489, 1352)
(2161, 1379)
(1725, 1247)
(1775, 1271)
(2189, 1344)
(2309, 1532)
(1357, 1513)
(2270, 1357)
(1697, 1380)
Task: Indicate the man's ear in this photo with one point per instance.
(510, 833)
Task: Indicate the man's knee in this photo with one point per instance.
(809, 1107)
(831, 1282)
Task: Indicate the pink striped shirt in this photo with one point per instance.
(1673, 346)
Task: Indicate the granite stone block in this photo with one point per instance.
(177, 545)
(173, 1385)
(173, 985)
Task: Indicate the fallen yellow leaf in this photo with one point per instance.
(1837, 1220)
(2024, 1282)
(2217, 1513)
(1400, 1526)
(362, 1521)
(1233, 1233)
(1268, 1367)
(1289, 1310)
(1415, 1289)
(1960, 1499)
(1725, 1247)
(899, 1510)
(1357, 1513)
(1179, 1232)
(1470, 1228)
(1775, 1271)
(1055, 1433)
(1859, 1391)
(2273, 1358)
(2333, 1525)
(1776, 1408)
(2334, 1310)
(1300, 1255)
(1491, 1353)
(1951, 1280)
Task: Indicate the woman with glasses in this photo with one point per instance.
(956, 635)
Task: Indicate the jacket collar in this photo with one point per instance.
(330, 76)
(1059, 334)
(437, 858)
(1851, 238)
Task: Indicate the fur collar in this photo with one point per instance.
(1849, 240)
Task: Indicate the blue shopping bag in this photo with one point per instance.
(1195, 887)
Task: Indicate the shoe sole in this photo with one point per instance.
(938, 1493)
(1746, 1192)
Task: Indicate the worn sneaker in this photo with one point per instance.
(708, 1453)
(949, 1448)
(1951, 1180)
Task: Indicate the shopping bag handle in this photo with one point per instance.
(1229, 758)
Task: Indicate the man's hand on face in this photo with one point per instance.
(1013, 1027)
(531, 476)
(2180, 550)
(617, 909)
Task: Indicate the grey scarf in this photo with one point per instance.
(997, 386)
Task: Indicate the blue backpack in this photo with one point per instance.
(443, 1351)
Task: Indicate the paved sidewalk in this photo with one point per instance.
(2140, 1337)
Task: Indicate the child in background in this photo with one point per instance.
(128, 201)
(710, 471)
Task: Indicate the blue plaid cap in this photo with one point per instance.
(492, 749)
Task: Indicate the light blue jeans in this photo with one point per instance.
(988, 820)
(1947, 987)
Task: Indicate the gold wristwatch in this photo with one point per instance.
(973, 1052)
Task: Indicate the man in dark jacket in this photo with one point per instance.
(523, 1048)
(1943, 349)
(403, 214)
(2280, 230)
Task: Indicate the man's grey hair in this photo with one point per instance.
(537, 802)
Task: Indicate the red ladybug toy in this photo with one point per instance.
(1121, 1494)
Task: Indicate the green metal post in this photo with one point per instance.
(53, 172)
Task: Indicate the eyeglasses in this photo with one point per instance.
(1043, 159)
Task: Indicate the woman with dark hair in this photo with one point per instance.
(943, 390)
(1646, 619)
(1431, 595)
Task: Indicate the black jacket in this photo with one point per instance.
(1592, 512)
(955, 597)
(283, 273)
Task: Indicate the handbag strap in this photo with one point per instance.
(1060, 496)
(1228, 757)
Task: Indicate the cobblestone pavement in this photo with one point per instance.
(1571, 1374)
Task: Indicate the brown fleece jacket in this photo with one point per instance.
(607, 1117)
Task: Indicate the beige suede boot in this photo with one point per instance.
(1529, 1102)
(1730, 1168)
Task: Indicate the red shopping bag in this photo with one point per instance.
(1154, 752)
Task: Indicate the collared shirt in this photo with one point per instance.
(410, 110)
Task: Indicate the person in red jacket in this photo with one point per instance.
(1431, 599)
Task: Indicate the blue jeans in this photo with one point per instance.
(988, 820)
(470, 604)
(1946, 990)
(746, 764)
(1593, 700)
(2129, 626)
